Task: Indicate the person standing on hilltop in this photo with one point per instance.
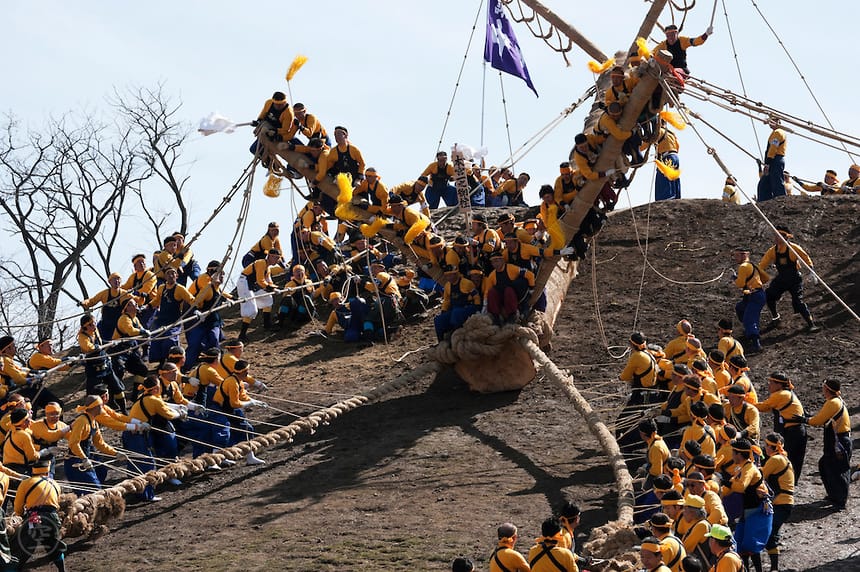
(771, 184)
(784, 255)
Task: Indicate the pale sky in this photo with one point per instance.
(386, 69)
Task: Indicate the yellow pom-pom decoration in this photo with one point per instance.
(370, 230)
(668, 170)
(297, 64)
(600, 68)
(673, 119)
(415, 230)
(272, 188)
(644, 52)
(344, 185)
(346, 211)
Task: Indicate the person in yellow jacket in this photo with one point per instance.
(787, 417)
(297, 305)
(111, 299)
(569, 517)
(738, 369)
(748, 488)
(484, 242)
(142, 283)
(440, 173)
(565, 188)
(511, 191)
(696, 484)
(37, 503)
(371, 193)
(751, 280)
(408, 222)
(834, 465)
(232, 399)
(506, 290)
(731, 194)
(269, 241)
(460, 300)
(656, 452)
(548, 554)
(50, 430)
(726, 342)
(699, 430)
(700, 368)
(160, 440)
(786, 256)
(693, 351)
(19, 449)
(255, 287)
(83, 438)
(678, 45)
(641, 373)
(12, 374)
(671, 548)
(742, 414)
(607, 125)
(169, 298)
(584, 155)
(829, 186)
(41, 360)
(676, 349)
(651, 554)
(721, 543)
(694, 527)
(667, 152)
(771, 184)
(127, 355)
(717, 364)
(504, 557)
(344, 157)
(779, 475)
(620, 88)
(307, 124)
(851, 185)
(275, 119)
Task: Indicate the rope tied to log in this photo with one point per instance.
(479, 337)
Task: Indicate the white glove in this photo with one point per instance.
(610, 172)
(53, 450)
(193, 406)
(260, 386)
(85, 465)
(710, 30)
(566, 251)
(814, 279)
(121, 457)
(183, 412)
(141, 427)
(131, 426)
(258, 403)
(663, 419)
(66, 430)
(372, 219)
(193, 381)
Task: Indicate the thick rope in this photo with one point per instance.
(89, 513)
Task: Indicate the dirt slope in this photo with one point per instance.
(427, 474)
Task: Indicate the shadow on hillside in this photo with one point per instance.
(844, 565)
(369, 435)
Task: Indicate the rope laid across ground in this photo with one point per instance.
(88, 514)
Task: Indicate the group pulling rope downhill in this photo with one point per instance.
(386, 262)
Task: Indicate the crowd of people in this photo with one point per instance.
(704, 469)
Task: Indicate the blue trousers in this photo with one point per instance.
(772, 184)
(446, 191)
(453, 319)
(664, 189)
(749, 310)
(141, 444)
(159, 348)
(76, 475)
(200, 338)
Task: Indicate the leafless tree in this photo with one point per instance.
(60, 189)
(153, 117)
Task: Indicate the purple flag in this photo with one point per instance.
(501, 48)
